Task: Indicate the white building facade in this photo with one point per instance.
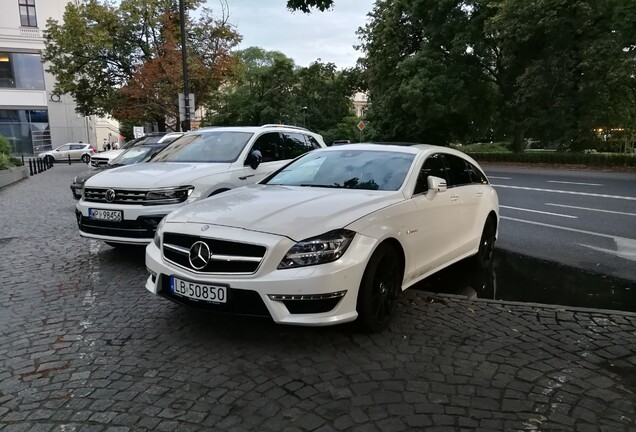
(30, 116)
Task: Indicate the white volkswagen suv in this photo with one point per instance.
(125, 205)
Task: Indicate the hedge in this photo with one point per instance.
(590, 159)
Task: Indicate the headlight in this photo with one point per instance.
(168, 195)
(322, 249)
(159, 230)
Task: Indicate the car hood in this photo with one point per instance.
(110, 154)
(85, 175)
(155, 174)
(291, 211)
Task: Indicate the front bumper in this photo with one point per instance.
(252, 294)
(137, 226)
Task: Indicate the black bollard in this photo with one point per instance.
(30, 166)
(69, 159)
(39, 166)
(22, 160)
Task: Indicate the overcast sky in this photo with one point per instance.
(329, 35)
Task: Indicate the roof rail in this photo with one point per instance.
(285, 126)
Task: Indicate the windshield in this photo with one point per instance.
(347, 169)
(212, 146)
(134, 155)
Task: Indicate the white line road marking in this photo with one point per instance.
(500, 178)
(568, 229)
(625, 248)
(537, 211)
(628, 198)
(590, 209)
(575, 183)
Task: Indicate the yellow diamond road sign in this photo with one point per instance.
(361, 125)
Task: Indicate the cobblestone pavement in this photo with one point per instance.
(83, 347)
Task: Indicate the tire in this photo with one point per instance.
(379, 290)
(49, 160)
(86, 158)
(484, 256)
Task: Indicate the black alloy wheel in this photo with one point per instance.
(380, 289)
(86, 158)
(483, 258)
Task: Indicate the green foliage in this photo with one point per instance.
(565, 158)
(5, 161)
(5, 145)
(483, 148)
(269, 88)
(441, 71)
(307, 5)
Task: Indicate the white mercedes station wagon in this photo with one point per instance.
(334, 236)
(124, 205)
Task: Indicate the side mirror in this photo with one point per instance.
(436, 184)
(254, 159)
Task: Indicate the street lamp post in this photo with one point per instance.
(184, 60)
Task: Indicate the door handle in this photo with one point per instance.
(454, 197)
(245, 177)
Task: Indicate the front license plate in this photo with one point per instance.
(198, 291)
(105, 215)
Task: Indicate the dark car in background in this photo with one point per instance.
(139, 152)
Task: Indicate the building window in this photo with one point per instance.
(21, 71)
(27, 13)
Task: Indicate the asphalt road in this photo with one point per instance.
(581, 218)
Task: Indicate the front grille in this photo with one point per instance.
(95, 161)
(142, 228)
(122, 196)
(226, 256)
(240, 302)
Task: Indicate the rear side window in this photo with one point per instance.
(459, 173)
(476, 175)
(77, 146)
(433, 166)
(294, 145)
(312, 142)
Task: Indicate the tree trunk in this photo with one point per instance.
(518, 145)
(161, 124)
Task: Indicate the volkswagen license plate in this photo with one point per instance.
(198, 291)
(105, 215)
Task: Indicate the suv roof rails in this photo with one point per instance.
(285, 126)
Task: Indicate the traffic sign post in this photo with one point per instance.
(186, 108)
(361, 126)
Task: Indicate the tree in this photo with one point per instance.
(307, 5)
(125, 60)
(443, 70)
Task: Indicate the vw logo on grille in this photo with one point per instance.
(199, 255)
(205, 227)
(110, 195)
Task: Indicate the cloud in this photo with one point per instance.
(329, 36)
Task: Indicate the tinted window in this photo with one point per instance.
(77, 146)
(294, 145)
(213, 146)
(458, 170)
(347, 169)
(313, 142)
(433, 166)
(476, 176)
(269, 146)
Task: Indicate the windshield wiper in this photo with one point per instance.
(316, 185)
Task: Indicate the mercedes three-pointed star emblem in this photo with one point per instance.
(199, 255)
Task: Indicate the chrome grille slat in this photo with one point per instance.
(122, 196)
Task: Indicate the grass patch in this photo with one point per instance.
(496, 147)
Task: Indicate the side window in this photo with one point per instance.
(476, 176)
(64, 148)
(77, 146)
(312, 142)
(433, 166)
(459, 171)
(294, 145)
(269, 146)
